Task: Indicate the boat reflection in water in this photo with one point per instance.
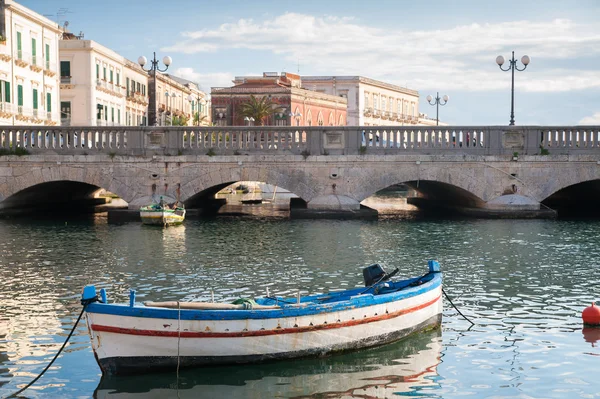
(408, 366)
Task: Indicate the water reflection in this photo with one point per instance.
(407, 366)
(591, 335)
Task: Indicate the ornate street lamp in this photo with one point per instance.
(249, 121)
(437, 104)
(513, 65)
(152, 92)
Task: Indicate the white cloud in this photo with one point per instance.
(462, 57)
(591, 120)
(206, 80)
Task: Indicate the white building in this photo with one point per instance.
(100, 87)
(179, 100)
(371, 102)
(29, 86)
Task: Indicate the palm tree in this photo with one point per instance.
(198, 119)
(259, 108)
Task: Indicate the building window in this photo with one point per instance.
(33, 51)
(119, 116)
(106, 112)
(127, 85)
(19, 46)
(375, 102)
(383, 104)
(35, 99)
(111, 76)
(118, 79)
(65, 110)
(104, 73)
(143, 90)
(112, 114)
(399, 108)
(48, 56)
(65, 69)
(5, 91)
(366, 100)
(48, 102)
(20, 95)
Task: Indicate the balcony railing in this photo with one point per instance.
(65, 80)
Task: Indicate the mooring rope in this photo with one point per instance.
(84, 303)
(454, 306)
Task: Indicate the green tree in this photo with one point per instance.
(259, 108)
(199, 119)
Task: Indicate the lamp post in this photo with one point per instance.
(249, 121)
(167, 108)
(437, 104)
(513, 65)
(152, 93)
(198, 100)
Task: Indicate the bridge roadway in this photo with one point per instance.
(505, 171)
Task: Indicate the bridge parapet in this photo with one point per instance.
(305, 140)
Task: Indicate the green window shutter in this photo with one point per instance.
(65, 68)
(35, 99)
(20, 95)
(106, 112)
(127, 84)
(33, 51)
(7, 92)
(118, 79)
(98, 111)
(111, 76)
(119, 116)
(104, 73)
(48, 102)
(112, 114)
(47, 56)
(19, 44)
(97, 71)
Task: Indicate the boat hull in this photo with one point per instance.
(162, 218)
(130, 365)
(131, 340)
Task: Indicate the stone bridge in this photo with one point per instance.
(515, 170)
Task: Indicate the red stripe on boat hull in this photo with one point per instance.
(295, 330)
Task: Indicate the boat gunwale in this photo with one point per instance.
(287, 310)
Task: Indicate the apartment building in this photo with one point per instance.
(371, 102)
(29, 78)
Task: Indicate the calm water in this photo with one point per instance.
(524, 283)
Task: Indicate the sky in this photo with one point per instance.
(445, 47)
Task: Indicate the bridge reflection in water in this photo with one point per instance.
(407, 366)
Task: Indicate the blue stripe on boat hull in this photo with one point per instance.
(145, 364)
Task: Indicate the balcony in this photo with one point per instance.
(368, 111)
(65, 80)
(22, 58)
(6, 110)
(137, 97)
(110, 88)
(35, 67)
(49, 68)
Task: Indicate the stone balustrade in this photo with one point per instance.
(305, 140)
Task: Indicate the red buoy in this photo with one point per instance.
(591, 315)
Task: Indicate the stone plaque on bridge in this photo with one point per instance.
(333, 140)
(156, 140)
(513, 139)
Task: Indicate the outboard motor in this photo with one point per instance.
(373, 274)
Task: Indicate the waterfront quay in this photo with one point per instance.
(483, 171)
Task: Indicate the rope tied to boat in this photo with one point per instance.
(85, 303)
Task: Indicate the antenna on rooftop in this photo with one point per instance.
(298, 66)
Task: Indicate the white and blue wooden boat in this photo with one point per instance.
(137, 338)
